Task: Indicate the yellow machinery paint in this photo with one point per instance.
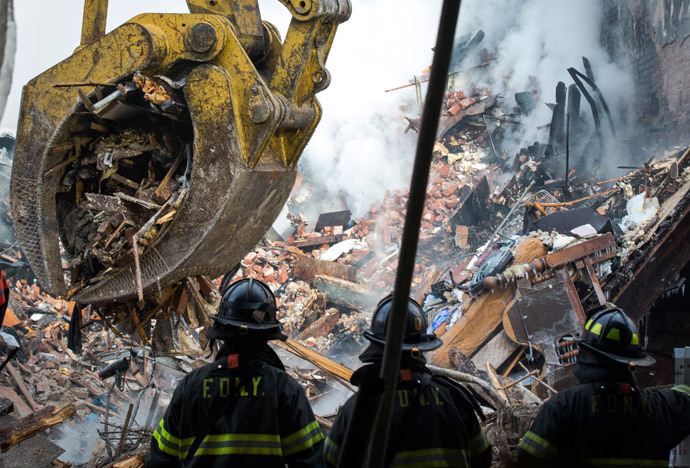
(251, 98)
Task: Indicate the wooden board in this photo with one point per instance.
(496, 351)
(474, 327)
(27, 427)
(307, 267)
(344, 292)
(20, 408)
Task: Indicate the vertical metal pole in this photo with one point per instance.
(680, 455)
(94, 20)
(415, 208)
(567, 152)
(418, 89)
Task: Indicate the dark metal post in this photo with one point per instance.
(415, 208)
(567, 153)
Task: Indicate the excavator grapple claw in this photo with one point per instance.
(167, 147)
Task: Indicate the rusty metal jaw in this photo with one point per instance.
(251, 123)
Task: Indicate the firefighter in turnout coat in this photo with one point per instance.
(243, 409)
(607, 420)
(434, 420)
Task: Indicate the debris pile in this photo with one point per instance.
(111, 395)
(122, 179)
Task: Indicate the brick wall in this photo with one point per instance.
(656, 38)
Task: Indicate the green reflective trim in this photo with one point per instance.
(589, 323)
(478, 444)
(614, 334)
(240, 444)
(314, 439)
(626, 462)
(305, 430)
(239, 451)
(682, 389)
(526, 445)
(432, 457)
(332, 451)
(537, 445)
(241, 438)
(163, 447)
(596, 329)
(635, 339)
(171, 438)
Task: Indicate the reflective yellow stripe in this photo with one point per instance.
(536, 445)
(478, 444)
(589, 323)
(302, 432)
(242, 438)
(172, 438)
(635, 339)
(524, 445)
(170, 444)
(164, 448)
(596, 329)
(240, 444)
(682, 389)
(332, 451)
(239, 451)
(626, 462)
(431, 457)
(302, 439)
(614, 334)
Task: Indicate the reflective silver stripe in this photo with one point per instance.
(537, 445)
(302, 439)
(234, 444)
(431, 457)
(478, 444)
(332, 451)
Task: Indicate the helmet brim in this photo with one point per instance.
(643, 360)
(224, 332)
(426, 343)
(240, 324)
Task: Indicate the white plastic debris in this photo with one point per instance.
(9, 339)
(585, 230)
(640, 211)
(341, 248)
(36, 317)
(560, 241)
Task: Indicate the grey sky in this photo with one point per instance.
(48, 31)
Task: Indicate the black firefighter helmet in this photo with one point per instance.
(248, 307)
(415, 337)
(609, 332)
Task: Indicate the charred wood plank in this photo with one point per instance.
(27, 427)
(307, 267)
(317, 241)
(667, 258)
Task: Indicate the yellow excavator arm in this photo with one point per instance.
(244, 107)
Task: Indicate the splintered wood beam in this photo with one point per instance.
(576, 252)
(27, 427)
(341, 373)
(22, 388)
(595, 281)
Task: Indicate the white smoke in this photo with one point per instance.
(536, 42)
(360, 149)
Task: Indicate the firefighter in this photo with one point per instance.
(607, 420)
(4, 297)
(243, 409)
(434, 421)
